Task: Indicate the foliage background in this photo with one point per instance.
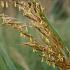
(16, 57)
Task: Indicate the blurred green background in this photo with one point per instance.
(16, 57)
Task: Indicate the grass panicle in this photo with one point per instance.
(52, 49)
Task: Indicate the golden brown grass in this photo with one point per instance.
(52, 49)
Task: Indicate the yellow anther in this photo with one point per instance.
(15, 4)
(22, 35)
(6, 4)
(42, 59)
(60, 68)
(31, 39)
(59, 56)
(50, 49)
(26, 29)
(43, 54)
(48, 62)
(19, 8)
(49, 56)
(42, 35)
(41, 22)
(61, 59)
(34, 50)
(2, 3)
(46, 39)
(53, 65)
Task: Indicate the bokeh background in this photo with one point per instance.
(17, 57)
